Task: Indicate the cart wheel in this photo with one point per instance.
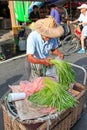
(70, 44)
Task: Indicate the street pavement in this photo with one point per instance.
(12, 72)
(81, 60)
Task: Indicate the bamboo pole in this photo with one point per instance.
(13, 19)
(12, 14)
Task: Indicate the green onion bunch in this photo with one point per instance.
(53, 95)
(65, 73)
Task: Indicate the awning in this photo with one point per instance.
(55, 1)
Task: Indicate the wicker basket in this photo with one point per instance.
(67, 118)
(76, 112)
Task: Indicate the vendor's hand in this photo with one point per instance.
(47, 62)
(61, 55)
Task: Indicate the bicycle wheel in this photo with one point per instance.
(70, 44)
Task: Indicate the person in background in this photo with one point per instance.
(83, 21)
(55, 12)
(40, 42)
(34, 15)
(48, 8)
(64, 14)
(42, 11)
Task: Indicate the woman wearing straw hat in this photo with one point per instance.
(83, 21)
(40, 42)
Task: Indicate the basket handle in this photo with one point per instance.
(84, 70)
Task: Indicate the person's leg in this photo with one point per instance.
(82, 41)
(82, 50)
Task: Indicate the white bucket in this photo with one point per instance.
(22, 45)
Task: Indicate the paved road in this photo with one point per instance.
(80, 59)
(12, 72)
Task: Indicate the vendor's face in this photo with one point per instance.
(46, 38)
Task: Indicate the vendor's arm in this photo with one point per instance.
(35, 60)
(55, 50)
(58, 53)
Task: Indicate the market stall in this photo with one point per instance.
(59, 104)
(23, 115)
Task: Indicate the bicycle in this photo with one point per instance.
(71, 43)
(66, 33)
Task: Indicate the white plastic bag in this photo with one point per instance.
(51, 72)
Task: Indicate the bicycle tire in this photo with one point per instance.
(70, 44)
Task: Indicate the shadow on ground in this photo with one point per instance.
(11, 81)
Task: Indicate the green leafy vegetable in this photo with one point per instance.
(65, 72)
(55, 94)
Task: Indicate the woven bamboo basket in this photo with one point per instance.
(76, 112)
(65, 120)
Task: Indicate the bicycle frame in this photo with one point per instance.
(71, 43)
(66, 33)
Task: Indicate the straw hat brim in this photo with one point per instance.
(52, 32)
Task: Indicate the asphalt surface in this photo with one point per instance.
(12, 72)
(81, 60)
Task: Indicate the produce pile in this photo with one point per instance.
(55, 94)
(65, 73)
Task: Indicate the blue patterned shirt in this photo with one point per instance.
(38, 47)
